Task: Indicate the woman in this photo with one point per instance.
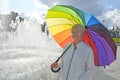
(78, 61)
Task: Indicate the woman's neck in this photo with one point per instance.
(75, 43)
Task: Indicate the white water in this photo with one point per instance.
(27, 55)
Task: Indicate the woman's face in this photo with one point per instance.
(76, 34)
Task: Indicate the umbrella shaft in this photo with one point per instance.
(63, 53)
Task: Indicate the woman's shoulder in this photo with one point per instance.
(86, 46)
(67, 45)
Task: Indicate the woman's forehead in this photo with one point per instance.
(78, 27)
(75, 29)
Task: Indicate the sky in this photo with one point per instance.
(108, 10)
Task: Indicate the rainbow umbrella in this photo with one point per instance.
(60, 20)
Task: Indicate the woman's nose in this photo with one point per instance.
(75, 33)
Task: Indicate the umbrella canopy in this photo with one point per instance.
(60, 20)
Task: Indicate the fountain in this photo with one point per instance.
(26, 54)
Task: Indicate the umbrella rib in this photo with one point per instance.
(65, 39)
(69, 14)
(59, 24)
(102, 45)
(63, 24)
(105, 52)
(74, 10)
(90, 19)
(61, 32)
